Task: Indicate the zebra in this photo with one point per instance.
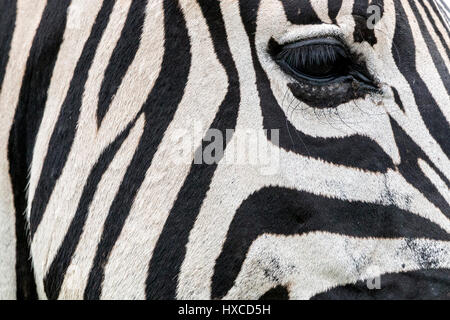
(355, 110)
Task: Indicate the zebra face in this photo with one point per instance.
(343, 94)
(316, 160)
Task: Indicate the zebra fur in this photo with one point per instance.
(92, 206)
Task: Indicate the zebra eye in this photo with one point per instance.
(326, 72)
(317, 60)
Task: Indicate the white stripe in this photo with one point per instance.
(316, 262)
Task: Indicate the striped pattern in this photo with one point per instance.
(444, 9)
(92, 94)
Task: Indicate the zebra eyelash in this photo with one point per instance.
(304, 54)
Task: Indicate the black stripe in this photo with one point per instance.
(170, 249)
(30, 108)
(354, 151)
(436, 29)
(277, 293)
(300, 12)
(7, 24)
(159, 110)
(57, 270)
(122, 56)
(404, 52)
(64, 133)
(334, 6)
(432, 49)
(412, 285)
(275, 210)
(397, 99)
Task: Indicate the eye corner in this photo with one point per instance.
(274, 48)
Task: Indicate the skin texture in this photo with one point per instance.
(93, 95)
